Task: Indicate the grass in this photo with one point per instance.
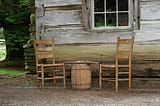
(8, 71)
(11, 72)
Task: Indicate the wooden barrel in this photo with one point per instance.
(81, 76)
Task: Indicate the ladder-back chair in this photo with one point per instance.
(122, 66)
(46, 68)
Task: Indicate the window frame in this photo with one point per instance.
(130, 16)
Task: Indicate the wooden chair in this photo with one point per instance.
(122, 66)
(46, 68)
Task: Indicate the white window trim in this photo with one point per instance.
(130, 16)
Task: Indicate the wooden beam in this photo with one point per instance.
(85, 14)
(63, 7)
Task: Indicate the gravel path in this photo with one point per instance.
(68, 97)
(22, 92)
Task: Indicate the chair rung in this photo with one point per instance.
(123, 66)
(58, 70)
(52, 65)
(123, 79)
(109, 79)
(45, 78)
(123, 72)
(108, 65)
(58, 77)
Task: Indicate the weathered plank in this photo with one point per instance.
(145, 61)
(61, 17)
(65, 7)
(56, 2)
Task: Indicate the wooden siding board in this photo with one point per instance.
(67, 35)
(56, 2)
(65, 7)
(150, 12)
(61, 17)
(58, 18)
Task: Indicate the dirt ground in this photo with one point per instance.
(23, 91)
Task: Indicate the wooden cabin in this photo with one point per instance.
(88, 29)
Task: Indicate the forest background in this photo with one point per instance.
(14, 28)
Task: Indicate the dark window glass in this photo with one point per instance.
(99, 5)
(122, 5)
(117, 13)
(110, 5)
(99, 20)
(123, 19)
(111, 19)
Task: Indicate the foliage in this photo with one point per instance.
(15, 20)
(1, 33)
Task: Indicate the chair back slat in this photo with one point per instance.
(124, 49)
(45, 56)
(44, 49)
(122, 56)
(50, 42)
(124, 41)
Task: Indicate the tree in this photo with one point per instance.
(15, 20)
(1, 33)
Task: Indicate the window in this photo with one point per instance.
(111, 14)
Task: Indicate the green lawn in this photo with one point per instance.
(8, 71)
(11, 72)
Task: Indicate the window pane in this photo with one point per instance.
(110, 5)
(122, 5)
(99, 20)
(99, 5)
(123, 19)
(111, 19)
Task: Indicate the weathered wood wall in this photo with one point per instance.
(64, 20)
(145, 61)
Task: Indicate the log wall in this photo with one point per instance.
(28, 48)
(90, 45)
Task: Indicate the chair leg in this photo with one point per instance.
(129, 85)
(54, 80)
(129, 81)
(64, 82)
(38, 80)
(42, 74)
(116, 80)
(39, 83)
(64, 77)
(100, 78)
